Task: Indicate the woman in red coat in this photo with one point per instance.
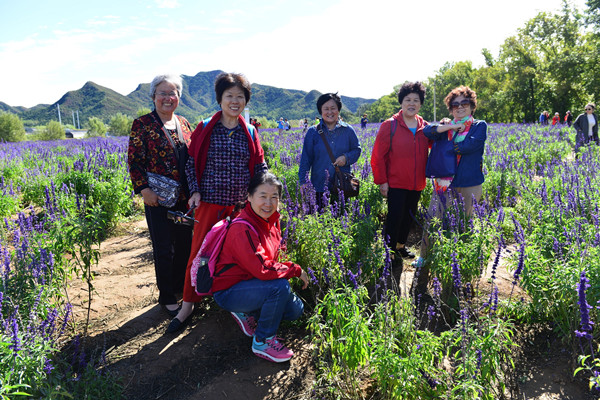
(398, 161)
(250, 281)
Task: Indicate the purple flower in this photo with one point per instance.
(584, 307)
(456, 272)
(519, 269)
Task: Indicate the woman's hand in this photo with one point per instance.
(304, 278)
(459, 127)
(384, 188)
(194, 201)
(340, 161)
(150, 197)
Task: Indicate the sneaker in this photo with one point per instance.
(271, 350)
(418, 263)
(246, 322)
(405, 253)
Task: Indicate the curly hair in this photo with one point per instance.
(411, 87)
(464, 91)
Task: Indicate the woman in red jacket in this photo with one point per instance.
(398, 161)
(249, 281)
(225, 153)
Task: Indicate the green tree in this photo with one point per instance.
(544, 64)
(96, 127)
(120, 125)
(52, 131)
(385, 107)
(11, 127)
(593, 13)
(143, 111)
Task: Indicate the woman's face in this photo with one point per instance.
(265, 200)
(166, 98)
(589, 110)
(411, 104)
(461, 107)
(330, 112)
(233, 102)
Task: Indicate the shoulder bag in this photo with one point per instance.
(344, 181)
(441, 162)
(165, 187)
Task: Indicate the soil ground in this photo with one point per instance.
(211, 358)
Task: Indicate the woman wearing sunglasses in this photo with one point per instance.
(468, 136)
(586, 126)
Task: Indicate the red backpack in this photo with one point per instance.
(203, 266)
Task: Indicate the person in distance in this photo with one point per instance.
(586, 125)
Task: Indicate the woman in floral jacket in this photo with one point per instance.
(151, 150)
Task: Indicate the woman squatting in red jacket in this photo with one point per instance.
(249, 281)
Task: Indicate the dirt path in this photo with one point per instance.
(211, 358)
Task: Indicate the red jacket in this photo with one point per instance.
(201, 140)
(252, 256)
(401, 163)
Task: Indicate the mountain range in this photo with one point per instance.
(197, 101)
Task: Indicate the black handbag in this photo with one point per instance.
(343, 181)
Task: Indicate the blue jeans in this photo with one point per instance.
(267, 301)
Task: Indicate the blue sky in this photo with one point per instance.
(357, 48)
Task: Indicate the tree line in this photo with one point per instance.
(552, 63)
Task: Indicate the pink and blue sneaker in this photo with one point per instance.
(271, 350)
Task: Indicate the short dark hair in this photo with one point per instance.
(464, 91)
(264, 178)
(324, 98)
(227, 80)
(412, 87)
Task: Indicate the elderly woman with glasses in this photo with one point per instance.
(158, 144)
(586, 126)
(468, 137)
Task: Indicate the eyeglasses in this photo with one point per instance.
(464, 103)
(589, 109)
(165, 94)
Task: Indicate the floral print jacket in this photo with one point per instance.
(151, 151)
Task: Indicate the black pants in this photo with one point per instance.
(402, 209)
(171, 245)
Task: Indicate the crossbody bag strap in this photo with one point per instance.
(179, 134)
(322, 134)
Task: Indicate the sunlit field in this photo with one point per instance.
(539, 219)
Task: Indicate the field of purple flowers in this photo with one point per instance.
(62, 198)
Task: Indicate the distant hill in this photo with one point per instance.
(197, 101)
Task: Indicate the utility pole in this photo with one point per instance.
(58, 107)
(434, 115)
